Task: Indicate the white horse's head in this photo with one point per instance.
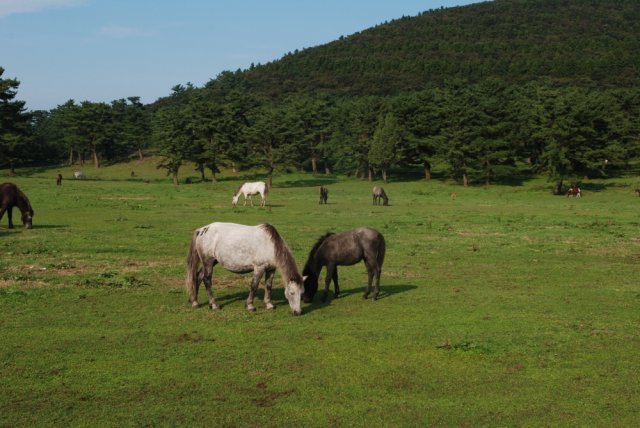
(234, 201)
(293, 292)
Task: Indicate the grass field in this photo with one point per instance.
(506, 306)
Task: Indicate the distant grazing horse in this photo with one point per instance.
(11, 196)
(59, 180)
(324, 195)
(638, 192)
(243, 249)
(574, 190)
(79, 175)
(250, 189)
(378, 193)
(344, 249)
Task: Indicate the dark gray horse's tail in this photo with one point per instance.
(193, 260)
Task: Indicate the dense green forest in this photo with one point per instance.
(489, 92)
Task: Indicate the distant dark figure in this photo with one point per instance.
(133, 173)
(187, 180)
(324, 195)
(344, 249)
(11, 196)
(378, 193)
(59, 180)
(638, 192)
(574, 190)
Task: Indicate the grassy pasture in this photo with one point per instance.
(505, 306)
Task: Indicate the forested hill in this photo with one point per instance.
(570, 41)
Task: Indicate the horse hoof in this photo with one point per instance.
(270, 306)
(214, 307)
(194, 304)
(251, 308)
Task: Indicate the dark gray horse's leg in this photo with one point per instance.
(376, 293)
(9, 212)
(257, 276)
(268, 282)
(207, 273)
(331, 269)
(336, 287)
(368, 290)
(373, 271)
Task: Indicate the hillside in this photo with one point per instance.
(569, 41)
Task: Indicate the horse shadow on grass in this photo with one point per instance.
(312, 182)
(278, 299)
(386, 291)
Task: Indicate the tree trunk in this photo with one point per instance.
(384, 175)
(314, 165)
(487, 176)
(270, 173)
(327, 171)
(427, 170)
(465, 180)
(175, 178)
(140, 155)
(557, 189)
(96, 158)
(70, 156)
(234, 169)
(370, 174)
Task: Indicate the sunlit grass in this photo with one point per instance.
(504, 306)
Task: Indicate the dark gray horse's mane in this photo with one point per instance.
(314, 249)
(283, 254)
(25, 200)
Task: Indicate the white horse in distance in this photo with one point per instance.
(250, 189)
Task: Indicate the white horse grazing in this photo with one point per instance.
(79, 175)
(250, 189)
(243, 249)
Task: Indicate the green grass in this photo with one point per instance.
(505, 306)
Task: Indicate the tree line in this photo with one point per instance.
(476, 132)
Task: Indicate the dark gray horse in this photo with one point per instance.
(344, 249)
(324, 195)
(378, 193)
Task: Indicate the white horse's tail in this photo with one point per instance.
(193, 260)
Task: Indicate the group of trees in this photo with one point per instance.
(478, 133)
(484, 92)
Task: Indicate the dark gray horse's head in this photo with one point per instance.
(310, 286)
(27, 219)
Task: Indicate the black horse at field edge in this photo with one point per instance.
(11, 196)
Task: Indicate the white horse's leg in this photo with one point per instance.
(251, 198)
(245, 199)
(268, 282)
(207, 273)
(257, 276)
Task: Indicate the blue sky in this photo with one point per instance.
(102, 50)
